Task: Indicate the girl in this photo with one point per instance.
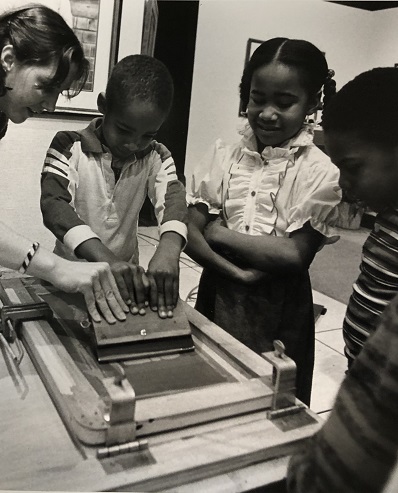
(40, 57)
(274, 191)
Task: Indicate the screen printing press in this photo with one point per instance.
(146, 405)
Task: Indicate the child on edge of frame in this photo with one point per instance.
(94, 183)
(275, 193)
(357, 448)
(364, 146)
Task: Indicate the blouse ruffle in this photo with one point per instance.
(276, 192)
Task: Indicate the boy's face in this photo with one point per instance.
(368, 172)
(130, 128)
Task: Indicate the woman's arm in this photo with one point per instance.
(268, 253)
(200, 251)
(94, 280)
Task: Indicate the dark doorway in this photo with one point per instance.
(175, 47)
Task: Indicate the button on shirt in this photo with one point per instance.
(275, 192)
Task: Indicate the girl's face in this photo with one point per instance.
(278, 104)
(29, 91)
(368, 172)
(130, 128)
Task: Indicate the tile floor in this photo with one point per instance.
(330, 362)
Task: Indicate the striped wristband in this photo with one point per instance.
(25, 264)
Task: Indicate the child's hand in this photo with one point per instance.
(212, 229)
(251, 276)
(163, 276)
(132, 283)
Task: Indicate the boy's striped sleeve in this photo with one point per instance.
(58, 189)
(168, 194)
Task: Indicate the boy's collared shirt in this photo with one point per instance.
(82, 199)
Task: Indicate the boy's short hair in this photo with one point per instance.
(366, 106)
(140, 77)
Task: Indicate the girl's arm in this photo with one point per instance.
(94, 280)
(268, 253)
(200, 251)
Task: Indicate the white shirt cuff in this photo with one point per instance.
(176, 227)
(77, 235)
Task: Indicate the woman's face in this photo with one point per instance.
(278, 104)
(368, 172)
(29, 90)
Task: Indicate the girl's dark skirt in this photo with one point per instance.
(257, 315)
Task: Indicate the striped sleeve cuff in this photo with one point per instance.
(77, 235)
(176, 227)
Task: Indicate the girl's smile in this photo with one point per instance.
(278, 104)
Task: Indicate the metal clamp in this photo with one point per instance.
(283, 380)
(122, 427)
(12, 316)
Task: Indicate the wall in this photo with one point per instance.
(22, 154)
(383, 44)
(224, 27)
(24, 147)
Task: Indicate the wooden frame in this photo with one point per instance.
(83, 408)
(105, 24)
(251, 45)
(192, 437)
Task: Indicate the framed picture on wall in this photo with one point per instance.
(251, 46)
(97, 25)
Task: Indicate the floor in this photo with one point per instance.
(330, 362)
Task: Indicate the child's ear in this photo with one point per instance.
(7, 58)
(314, 104)
(101, 103)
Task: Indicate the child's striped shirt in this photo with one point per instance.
(357, 447)
(376, 285)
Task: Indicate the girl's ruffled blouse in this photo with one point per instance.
(275, 192)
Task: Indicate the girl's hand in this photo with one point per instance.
(213, 229)
(132, 284)
(96, 282)
(250, 277)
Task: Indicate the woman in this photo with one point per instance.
(40, 57)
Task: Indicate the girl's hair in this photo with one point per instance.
(302, 55)
(41, 36)
(140, 77)
(367, 106)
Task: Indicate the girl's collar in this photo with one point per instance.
(303, 138)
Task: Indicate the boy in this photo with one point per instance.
(357, 447)
(94, 183)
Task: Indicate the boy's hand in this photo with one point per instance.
(130, 279)
(163, 275)
(132, 284)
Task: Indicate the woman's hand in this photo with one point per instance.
(96, 282)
